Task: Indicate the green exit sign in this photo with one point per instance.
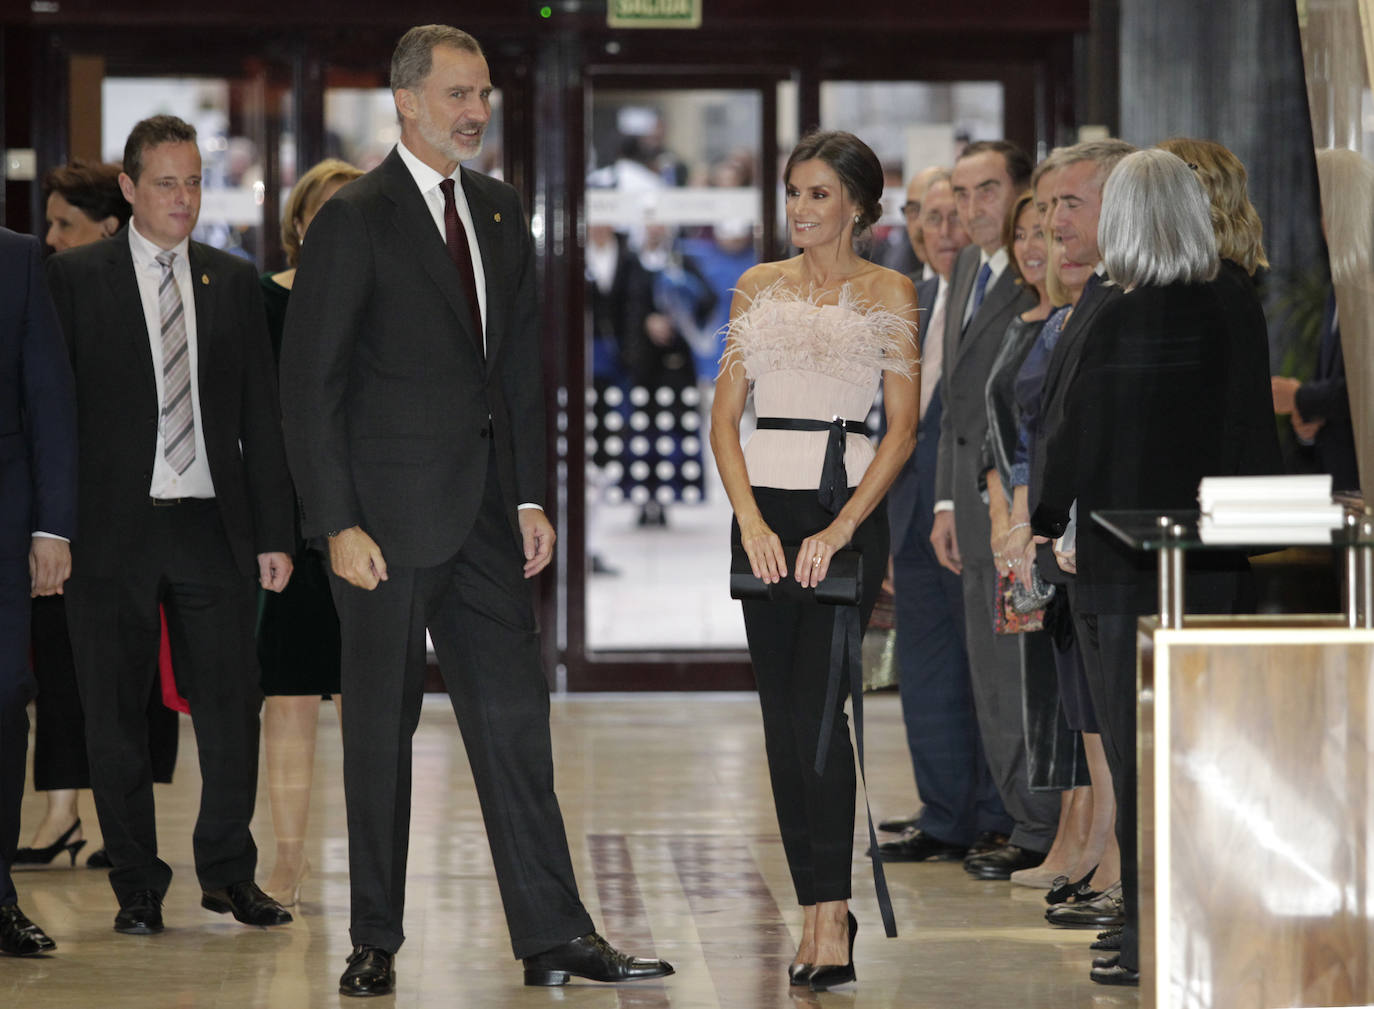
(653, 13)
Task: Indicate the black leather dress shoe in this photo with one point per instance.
(1103, 962)
(918, 846)
(371, 971)
(21, 937)
(1115, 974)
(593, 958)
(1110, 939)
(141, 914)
(898, 824)
(1000, 864)
(248, 904)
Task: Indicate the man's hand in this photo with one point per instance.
(538, 535)
(1285, 391)
(1306, 430)
(274, 570)
(50, 564)
(355, 557)
(945, 542)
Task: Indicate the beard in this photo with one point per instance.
(447, 142)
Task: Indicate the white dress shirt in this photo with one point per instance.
(427, 179)
(167, 482)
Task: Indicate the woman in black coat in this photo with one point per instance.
(1169, 389)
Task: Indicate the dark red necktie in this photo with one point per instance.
(457, 238)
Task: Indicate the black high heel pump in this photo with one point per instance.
(826, 977)
(42, 856)
(799, 973)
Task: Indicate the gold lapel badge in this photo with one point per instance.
(496, 217)
(205, 279)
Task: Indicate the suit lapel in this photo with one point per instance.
(1066, 350)
(487, 228)
(205, 294)
(127, 307)
(997, 297)
(412, 219)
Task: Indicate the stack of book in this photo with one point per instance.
(1267, 509)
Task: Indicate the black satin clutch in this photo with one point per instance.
(843, 584)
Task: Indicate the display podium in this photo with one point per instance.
(1256, 748)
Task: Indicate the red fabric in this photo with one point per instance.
(170, 697)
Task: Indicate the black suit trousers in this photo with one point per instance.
(59, 735)
(1108, 642)
(16, 687)
(479, 613)
(183, 561)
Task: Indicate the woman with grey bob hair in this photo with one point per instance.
(1156, 223)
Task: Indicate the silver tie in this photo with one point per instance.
(178, 421)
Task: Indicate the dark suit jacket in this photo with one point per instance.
(912, 495)
(37, 406)
(97, 300)
(967, 363)
(1325, 397)
(389, 406)
(1145, 419)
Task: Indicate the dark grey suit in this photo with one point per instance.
(396, 423)
(958, 799)
(994, 660)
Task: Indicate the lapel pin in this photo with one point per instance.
(205, 279)
(497, 218)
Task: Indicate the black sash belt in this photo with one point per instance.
(834, 489)
(846, 656)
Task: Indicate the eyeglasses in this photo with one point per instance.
(911, 211)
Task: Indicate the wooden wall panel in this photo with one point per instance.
(1258, 839)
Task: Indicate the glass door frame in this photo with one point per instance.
(580, 668)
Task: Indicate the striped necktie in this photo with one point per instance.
(178, 420)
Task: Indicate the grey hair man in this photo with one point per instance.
(414, 315)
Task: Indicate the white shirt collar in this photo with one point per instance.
(146, 252)
(997, 261)
(425, 177)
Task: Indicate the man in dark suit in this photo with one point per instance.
(415, 428)
(960, 807)
(1320, 407)
(987, 178)
(1075, 206)
(37, 523)
(184, 500)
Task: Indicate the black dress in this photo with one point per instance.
(298, 630)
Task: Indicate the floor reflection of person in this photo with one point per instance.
(813, 336)
(83, 205)
(414, 405)
(298, 630)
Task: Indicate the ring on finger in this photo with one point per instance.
(815, 561)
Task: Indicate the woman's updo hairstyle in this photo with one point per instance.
(860, 171)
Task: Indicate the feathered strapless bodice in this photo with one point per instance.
(815, 361)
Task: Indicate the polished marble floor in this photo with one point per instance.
(672, 830)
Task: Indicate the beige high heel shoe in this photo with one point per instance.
(290, 896)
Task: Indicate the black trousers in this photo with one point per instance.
(789, 646)
(182, 561)
(479, 612)
(1108, 643)
(59, 735)
(16, 687)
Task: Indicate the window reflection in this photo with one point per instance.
(672, 212)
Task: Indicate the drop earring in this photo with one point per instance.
(856, 218)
